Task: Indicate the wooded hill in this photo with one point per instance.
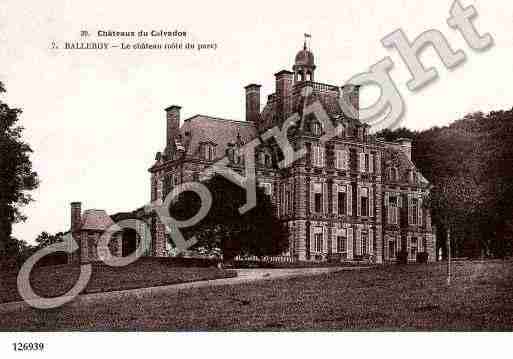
(470, 166)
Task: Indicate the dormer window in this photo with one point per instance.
(343, 130)
(237, 159)
(267, 160)
(230, 152)
(411, 176)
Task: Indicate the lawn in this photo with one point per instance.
(53, 281)
(413, 297)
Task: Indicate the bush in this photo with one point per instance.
(422, 257)
(402, 257)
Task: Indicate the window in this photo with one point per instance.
(318, 155)
(167, 185)
(261, 158)
(342, 202)
(316, 128)
(318, 241)
(286, 198)
(154, 191)
(341, 160)
(414, 211)
(289, 200)
(413, 248)
(267, 160)
(411, 176)
(318, 198)
(392, 210)
(367, 166)
(365, 243)
(391, 249)
(364, 198)
(393, 174)
(413, 253)
(308, 76)
(209, 151)
(341, 243)
(230, 152)
(424, 244)
(318, 202)
(353, 159)
(237, 158)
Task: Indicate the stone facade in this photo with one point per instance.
(355, 197)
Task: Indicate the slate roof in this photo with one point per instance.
(329, 101)
(395, 156)
(202, 129)
(96, 220)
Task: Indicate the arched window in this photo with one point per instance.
(308, 76)
(300, 75)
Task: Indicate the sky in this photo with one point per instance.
(95, 119)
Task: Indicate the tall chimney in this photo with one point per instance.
(252, 102)
(76, 215)
(173, 124)
(405, 146)
(284, 81)
(351, 95)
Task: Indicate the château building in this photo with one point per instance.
(354, 197)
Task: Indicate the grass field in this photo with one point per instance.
(413, 297)
(53, 281)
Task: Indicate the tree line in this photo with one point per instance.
(470, 166)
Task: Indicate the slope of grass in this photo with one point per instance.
(413, 297)
(146, 272)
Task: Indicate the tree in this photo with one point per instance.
(392, 135)
(257, 232)
(16, 177)
(46, 239)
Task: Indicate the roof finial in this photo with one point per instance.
(306, 36)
